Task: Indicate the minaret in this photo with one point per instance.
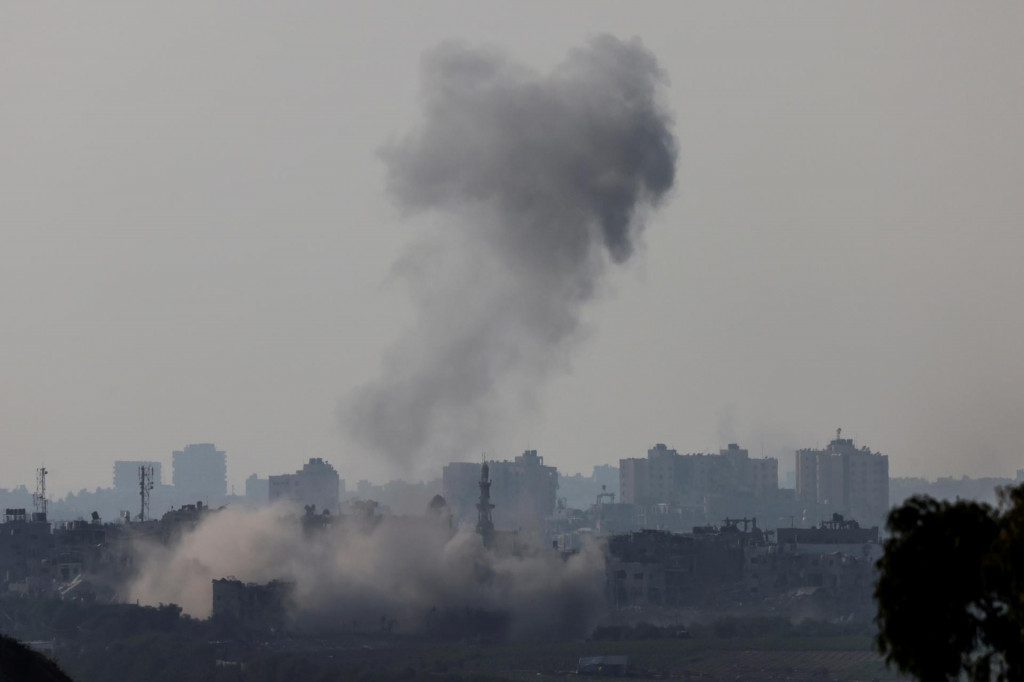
(484, 524)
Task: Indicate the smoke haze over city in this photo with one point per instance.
(201, 235)
(355, 573)
(463, 341)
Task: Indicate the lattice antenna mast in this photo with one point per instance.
(145, 486)
(39, 499)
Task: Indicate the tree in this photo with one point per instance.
(950, 591)
(19, 663)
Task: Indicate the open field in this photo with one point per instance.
(755, 658)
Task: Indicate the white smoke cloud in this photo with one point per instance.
(401, 568)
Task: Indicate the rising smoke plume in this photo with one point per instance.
(534, 184)
(353, 574)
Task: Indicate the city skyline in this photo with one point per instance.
(467, 341)
(236, 475)
(200, 244)
(124, 473)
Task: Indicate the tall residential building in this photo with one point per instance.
(844, 478)
(126, 475)
(200, 472)
(634, 480)
(316, 483)
(523, 491)
(668, 477)
(257, 490)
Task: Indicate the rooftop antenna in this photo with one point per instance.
(145, 486)
(39, 499)
(839, 432)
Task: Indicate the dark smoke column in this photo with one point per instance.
(532, 184)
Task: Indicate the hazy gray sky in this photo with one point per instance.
(197, 242)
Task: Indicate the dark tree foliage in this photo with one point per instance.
(18, 663)
(950, 591)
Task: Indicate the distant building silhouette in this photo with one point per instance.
(126, 475)
(666, 477)
(200, 471)
(579, 491)
(523, 491)
(844, 478)
(316, 483)
(257, 490)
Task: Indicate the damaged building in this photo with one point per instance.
(717, 566)
(659, 568)
(837, 556)
(252, 604)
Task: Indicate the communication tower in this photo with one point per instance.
(145, 486)
(39, 498)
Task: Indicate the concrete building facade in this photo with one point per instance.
(844, 478)
(25, 541)
(666, 477)
(252, 604)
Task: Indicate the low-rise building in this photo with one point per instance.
(252, 604)
(658, 568)
(26, 544)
